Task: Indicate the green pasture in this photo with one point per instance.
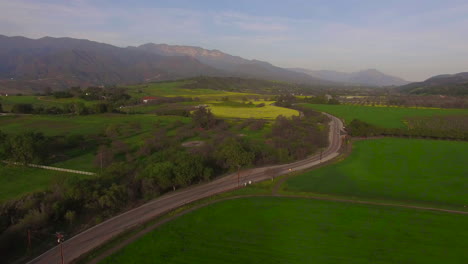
(81, 125)
(389, 117)
(17, 180)
(172, 89)
(294, 230)
(409, 170)
(44, 101)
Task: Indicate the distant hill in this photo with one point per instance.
(370, 77)
(32, 64)
(65, 62)
(233, 65)
(446, 84)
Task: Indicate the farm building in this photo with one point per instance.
(147, 99)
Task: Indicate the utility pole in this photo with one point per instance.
(238, 175)
(29, 239)
(60, 241)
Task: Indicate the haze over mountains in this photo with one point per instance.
(449, 84)
(64, 62)
(32, 64)
(370, 77)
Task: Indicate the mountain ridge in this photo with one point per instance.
(369, 77)
(444, 84)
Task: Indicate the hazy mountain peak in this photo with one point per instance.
(448, 84)
(177, 50)
(371, 77)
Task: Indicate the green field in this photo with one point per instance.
(288, 230)
(410, 170)
(44, 101)
(83, 125)
(16, 181)
(171, 89)
(388, 117)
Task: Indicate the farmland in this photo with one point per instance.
(410, 170)
(239, 110)
(172, 89)
(388, 117)
(9, 101)
(291, 230)
(17, 181)
(84, 125)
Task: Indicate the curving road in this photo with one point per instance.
(99, 234)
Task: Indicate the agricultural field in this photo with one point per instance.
(295, 230)
(17, 180)
(240, 110)
(171, 89)
(131, 129)
(411, 170)
(80, 125)
(44, 101)
(382, 116)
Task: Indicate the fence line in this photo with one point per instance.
(52, 168)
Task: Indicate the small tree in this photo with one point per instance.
(232, 154)
(202, 117)
(103, 157)
(70, 216)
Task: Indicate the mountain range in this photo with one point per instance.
(33, 64)
(370, 77)
(447, 84)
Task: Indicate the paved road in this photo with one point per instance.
(97, 235)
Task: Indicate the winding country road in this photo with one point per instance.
(99, 234)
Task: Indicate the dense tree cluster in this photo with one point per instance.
(34, 147)
(203, 118)
(296, 138)
(285, 100)
(75, 108)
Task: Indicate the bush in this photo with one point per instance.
(22, 109)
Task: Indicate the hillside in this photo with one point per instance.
(29, 65)
(64, 62)
(370, 77)
(233, 65)
(447, 84)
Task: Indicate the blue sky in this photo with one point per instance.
(410, 39)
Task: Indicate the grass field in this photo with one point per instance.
(288, 230)
(84, 125)
(16, 181)
(171, 89)
(389, 117)
(44, 101)
(426, 171)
